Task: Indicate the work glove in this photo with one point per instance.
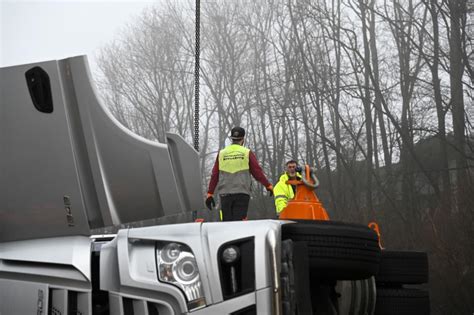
(270, 190)
(210, 203)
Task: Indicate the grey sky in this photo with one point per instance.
(38, 30)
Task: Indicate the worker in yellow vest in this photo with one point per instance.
(231, 175)
(284, 192)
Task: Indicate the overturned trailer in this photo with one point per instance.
(68, 168)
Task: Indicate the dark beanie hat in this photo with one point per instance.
(237, 133)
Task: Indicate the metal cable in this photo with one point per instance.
(196, 77)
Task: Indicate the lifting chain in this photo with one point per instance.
(196, 77)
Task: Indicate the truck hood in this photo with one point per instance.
(68, 166)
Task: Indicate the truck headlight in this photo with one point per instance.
(177, 265)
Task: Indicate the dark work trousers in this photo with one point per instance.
(234, 206)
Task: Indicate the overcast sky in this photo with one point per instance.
(39, 30)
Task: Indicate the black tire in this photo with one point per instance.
(402, 267)
(402, 301)
(337, 250)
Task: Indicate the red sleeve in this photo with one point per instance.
(214, 176)
(257, 171)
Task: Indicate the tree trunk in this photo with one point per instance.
(441, 113)
(368, 113)
(457, 10)
(377, 100)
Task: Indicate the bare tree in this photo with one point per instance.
(457, 14)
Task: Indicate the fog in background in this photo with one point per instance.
(32, 31)
(378, 95)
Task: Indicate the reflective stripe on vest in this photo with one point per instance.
(281, 196)
(234, 174)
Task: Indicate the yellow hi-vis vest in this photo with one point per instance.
(234, 173)
(283, 192)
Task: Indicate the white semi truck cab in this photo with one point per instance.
(69, 168)
(198, 268)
